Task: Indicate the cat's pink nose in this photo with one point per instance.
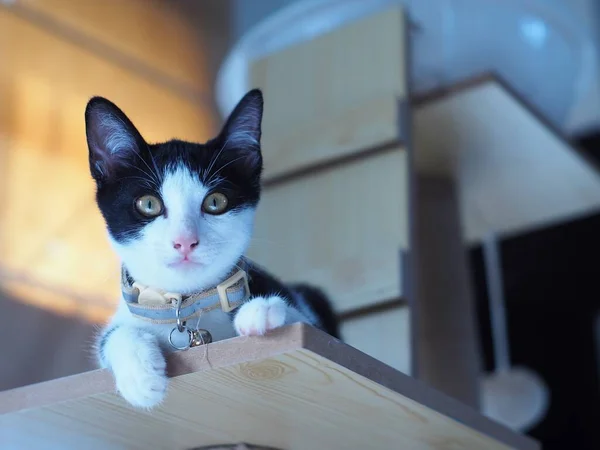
(185, 244)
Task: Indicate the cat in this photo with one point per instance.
(180, 216)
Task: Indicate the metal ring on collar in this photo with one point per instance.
(190, 338)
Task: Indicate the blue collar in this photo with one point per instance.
(157, 306)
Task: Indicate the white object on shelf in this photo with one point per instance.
(538, 46)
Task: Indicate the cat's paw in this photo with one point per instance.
(141, 379)
(260, 315)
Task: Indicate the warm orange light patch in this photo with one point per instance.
(51, 232)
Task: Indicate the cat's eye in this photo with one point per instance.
(215, 203)
(149, 206)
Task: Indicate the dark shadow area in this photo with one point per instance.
(37, 345)
(552, 287)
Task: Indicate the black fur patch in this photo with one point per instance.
(320, 305)
(262, 283)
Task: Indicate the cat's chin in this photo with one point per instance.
(179, 276)
(184, 277)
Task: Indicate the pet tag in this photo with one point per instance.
(184, 338)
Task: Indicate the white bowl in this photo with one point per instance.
(537, 46)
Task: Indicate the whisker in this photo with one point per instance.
(155, 175)
(216, 157)
(156, 171)
(151, 178)
(223, 166)
(143, 181)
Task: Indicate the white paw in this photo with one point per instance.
(260, 315)
(141, 376)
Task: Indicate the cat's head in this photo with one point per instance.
(179, 214)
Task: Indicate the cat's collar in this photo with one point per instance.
(160, 307)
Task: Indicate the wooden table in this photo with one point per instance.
(296, 388)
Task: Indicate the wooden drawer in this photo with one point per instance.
(342, 229)
(334, 95)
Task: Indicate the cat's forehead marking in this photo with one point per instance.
(182, 191)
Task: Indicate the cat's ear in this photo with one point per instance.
(112, 139)
(242, 129)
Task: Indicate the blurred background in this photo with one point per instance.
(177, 67)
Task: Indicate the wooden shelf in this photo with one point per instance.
(515, 172)
(296, 388)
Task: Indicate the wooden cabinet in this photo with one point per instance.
(334, 209)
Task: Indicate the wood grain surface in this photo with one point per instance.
(297, 388)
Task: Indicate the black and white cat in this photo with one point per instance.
(180, 216)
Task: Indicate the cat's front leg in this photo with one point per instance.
(259, 315)
(139, 367)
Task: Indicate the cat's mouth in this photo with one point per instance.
(184, 263)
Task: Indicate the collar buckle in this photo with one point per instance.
(226, 304)
(154, 297)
